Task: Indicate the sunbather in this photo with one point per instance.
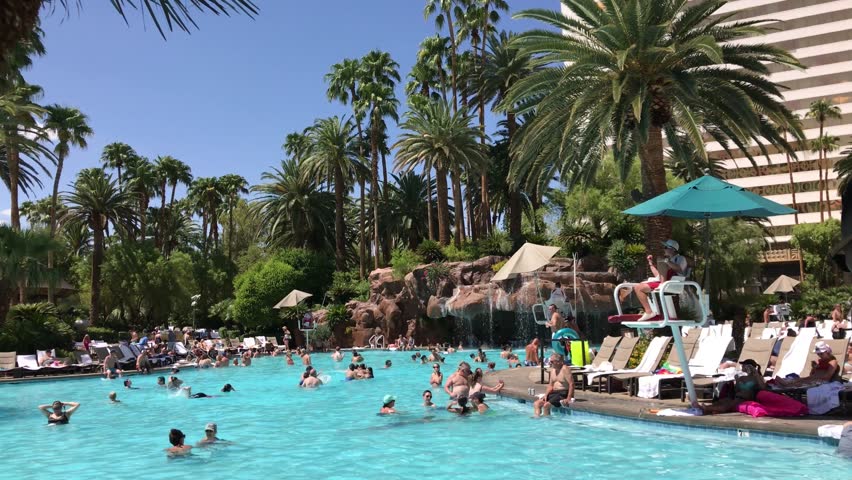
(745, 389)
(676, 264)
(176, 438)
(825, 369)
(57, 414)
(559, 391)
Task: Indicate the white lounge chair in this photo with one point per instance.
(706, 362)
(650, 360)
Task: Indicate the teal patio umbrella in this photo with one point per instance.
(705, 198)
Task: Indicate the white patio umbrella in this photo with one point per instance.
(292, 299)
(782, 284)
(528, 258)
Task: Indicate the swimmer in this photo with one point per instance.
(356, 357)
(437, 377)
(111, 369)
(423, 360)
(113, 398)
(491, 367)
(57, 414)
(427, 399)
(161, 381)
(458, 385)
(310, 380)
(174, 383)
(337, 356)
(228, 388)
(478, 401)
(476, 386)
(210, 437)
(289, 357)
(369, 373)
(176, 438)
(414, 358)
(388, 364)
(462, 408)
(350, 374)
(129, 385)
(306, 358)
(246, 360)
(388, 404)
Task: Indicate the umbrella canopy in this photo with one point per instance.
(782, 284)
(528, 258)
(292, 299)
(709, 197)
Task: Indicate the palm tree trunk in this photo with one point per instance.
(386, 247)
(339, 226)
(143, 217)
(514, 193)
(54, 198)
(452, 59)
(14, 172)
(796, 213)
(443, 206)
(204, 235)
(231, 204)
(374, 194)
(362, 247)
(657, 229)
(429, 203)
(827, 191)
(458, 204)
(161, 225)
(97, 260)
(172, 200)
(118, 168)
(819, 166)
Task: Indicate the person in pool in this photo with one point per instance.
(113, 398)
(57, 414)
(111, 369)
(178, 449)
(388, 364)
(128, 384)
(337, 356)
(228, 388)
(559, 391)
(306, 357)
(161, 381)
(351, 374)
(356, 357)
(437, 377)
(289, 358)
(478, 401)
(458, 385)
(459, 407)
(427, 399)
(210, 437)
(310, 380)
(388, 405)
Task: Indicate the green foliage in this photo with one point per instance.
(404, 261)
(102, 333)
(34, 326)
(317, 268)
(497, 243)
(293, 314)
(260, 288)
(820, 301)
(436, 272)
(625, 257)
(815, 240)
(346, 286)
(430, 251)
(639, 351)
(223, 310)
(735, 247)
(321, 334)
(465, 254)
(336, 315)
(497, 266)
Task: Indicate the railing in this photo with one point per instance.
(781, 255)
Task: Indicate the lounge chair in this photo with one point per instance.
(126, 360)
(795, 360)
(705, 361)
(604, 355)
(690, 345)
(249, 343)
(274, 342)
(54, 369)
(757, 349)
(623, 352)
(29, 363)
(8, 367)
(102, 354)
(757, 330)
(650, 360)
(839, 348)
(84, 362)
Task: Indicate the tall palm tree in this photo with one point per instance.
(623, 73)
(95, 202)
(823, 145)
(506, 66)
(444, 11)
(435, 137)
(408, 195)
(232, 186)
(116, 155)
(823, 110)
(170, 172)
(296, 213)
(843, 167)
(423, 77)
(18, 18)
(70, 127)
(334, 154)
(207, 198)
(296, 145)
(142, 181)
(378, 101)
(434, 51)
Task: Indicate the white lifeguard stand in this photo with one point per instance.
(662, 304)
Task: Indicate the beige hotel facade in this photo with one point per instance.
(819, 34)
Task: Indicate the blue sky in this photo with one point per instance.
(223, 98)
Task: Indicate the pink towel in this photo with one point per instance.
(771, 404)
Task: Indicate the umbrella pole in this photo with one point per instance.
(541, 343)
(706, 285)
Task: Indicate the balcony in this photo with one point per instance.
(781, 255)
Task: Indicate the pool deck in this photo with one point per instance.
(518, 381)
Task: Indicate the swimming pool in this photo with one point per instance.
(281, 431)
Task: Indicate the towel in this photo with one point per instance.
(680, 412)
(646, 365)
(769, 333)
(794, 361)
(830, 431)
(710, 352)
(649, 387)
(824, 398)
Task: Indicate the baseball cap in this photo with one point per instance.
(822, 347)
(211, 427)
(672, 244)
(388, 398)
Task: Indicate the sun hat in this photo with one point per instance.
(211, 427)
(672, 244)
(822, 347)
(388, 399)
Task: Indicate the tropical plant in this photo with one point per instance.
(170, 172)
(823, 145)
(622, 73)
(822, 110)
(142, 181)
(407, 206)
(206, 196)
(815, 241)
(843, 167)
(35, 326)
(95, 202)
(232, 186)
(23, 262)
(430, 251)
(404, 261)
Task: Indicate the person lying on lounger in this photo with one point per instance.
(745, 389)
(824, 370)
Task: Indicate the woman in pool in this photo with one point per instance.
(437, 377)
(478, 401)
(176, 438)
(289, 358)
(161, 381)
(476, 385)
(427, 399)
(57, 414)
(461, 409)
(228, 388)
(388, 404)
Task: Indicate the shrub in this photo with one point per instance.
(436, 272)
(260, 288)
(497, 266)
(102, 333)
(404, 261)
(497, 243)
(346, 286)
(317, 268)
(430, 251)
(453, 254)
(336, 315)
(820, 301)
(321, 334)
(624, 257)
(35, 326)
(815, 241)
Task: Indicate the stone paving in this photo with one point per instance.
(518, 381)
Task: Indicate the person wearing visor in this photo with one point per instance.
(675, 265)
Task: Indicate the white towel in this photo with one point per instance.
(649, 387)
(645, 365)
(769, 333)
(680, 412)
(824, 398)
(794, 360)
(710, 352)
(830, 431)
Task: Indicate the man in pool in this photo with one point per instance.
(458, 385)
(111, 369)
(388, 364)
(176, 438)
(113, 398)
(337, 356)
(531, 353)
(559, 391)
(210, 437)
(356, 357)
(310, 380)
(306, 357)
(351, 374)
(388, 404)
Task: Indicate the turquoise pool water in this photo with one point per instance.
(281, 431)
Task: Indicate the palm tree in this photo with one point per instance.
(823, 145)
(143, 181)
(435, 137)
(70, 128)
(433, 51)
(334, 154)
(207, 197)
(623, 73)
(344, 81)
(116, 155)
(506, 66)
(23, 256)
(823, 110)
(18, 18)
(444, 10)
(843, 167)
(379, 101)
(296, 145)
(231, 186)
(293, 209)
(169, 171)
(408, 195)
(95, 202)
